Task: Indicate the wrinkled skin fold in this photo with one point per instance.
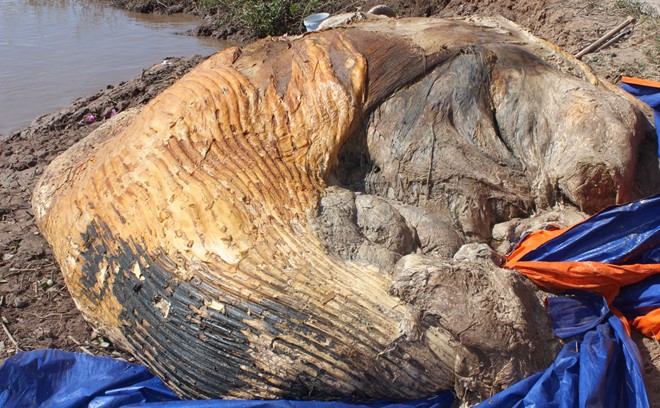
(202, 234)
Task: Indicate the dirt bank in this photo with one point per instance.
(571, 24)
(37, 311)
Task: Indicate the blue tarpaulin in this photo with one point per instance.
(649, 93)
(62, 379)
(54, 378)
(621, 235)
(598, 366)
(639, 299)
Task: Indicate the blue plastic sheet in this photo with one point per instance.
(54, 378)
(572, 317)
(639, 299)
(650, 96)
(626, 234)
(61, 379)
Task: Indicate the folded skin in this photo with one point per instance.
(188, 230)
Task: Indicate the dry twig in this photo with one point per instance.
(83, 348)
(11, 338)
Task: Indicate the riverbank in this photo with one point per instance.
(37, 310)
(571, 24)
(55, 51)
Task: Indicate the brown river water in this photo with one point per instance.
(54, 51)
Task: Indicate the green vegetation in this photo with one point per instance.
(263, 18)
(632, 7)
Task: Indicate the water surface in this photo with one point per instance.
(54, 51)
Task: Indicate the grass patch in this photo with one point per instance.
(632, 7)
(264, 18)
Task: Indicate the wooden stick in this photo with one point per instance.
(605, 36)
(73, 340)
(614, 39)
(12, 339)
(83, 348)
(86, 350)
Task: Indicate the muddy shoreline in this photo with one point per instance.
(36, 308)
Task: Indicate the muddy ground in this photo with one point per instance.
(36, 309)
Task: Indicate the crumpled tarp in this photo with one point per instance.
(606, 268)
(649, 93)
(62, 379)
(615, 248)
(54, 378)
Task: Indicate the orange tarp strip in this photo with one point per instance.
(602, 278)
(605, 279)
(649, 324)
(639, 81)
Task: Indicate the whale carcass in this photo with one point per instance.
(306, 217)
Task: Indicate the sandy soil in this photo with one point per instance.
(35, 307)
